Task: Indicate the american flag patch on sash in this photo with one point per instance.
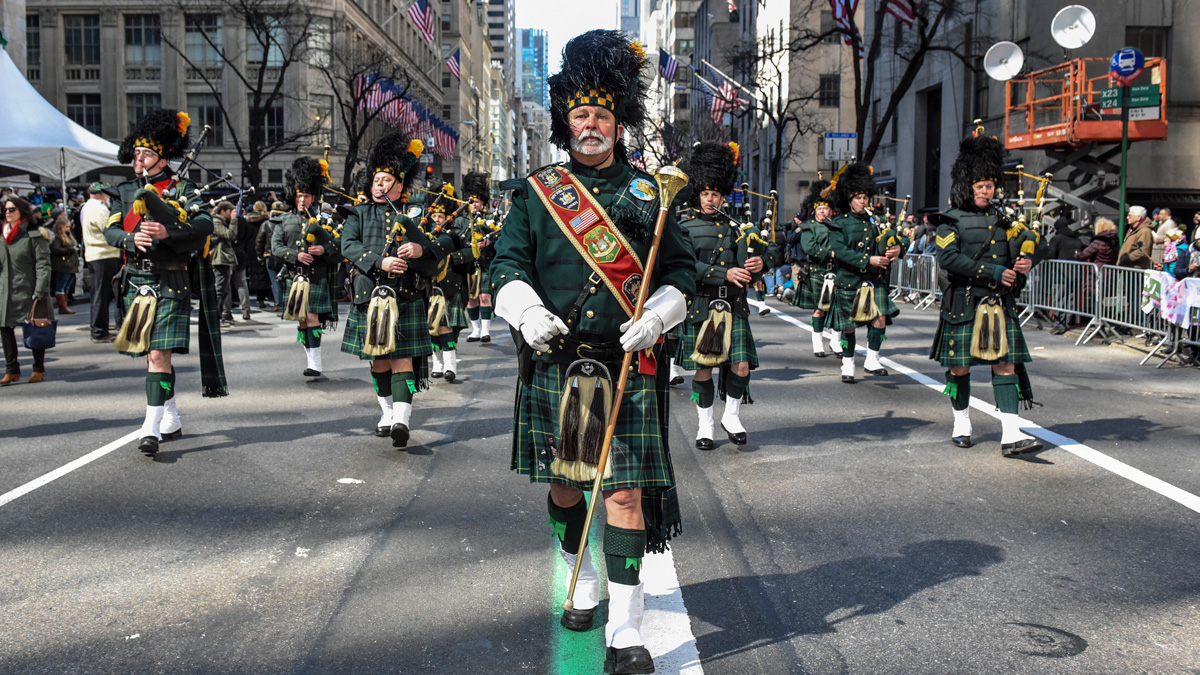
(581, 221)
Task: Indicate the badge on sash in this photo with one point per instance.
(566, 197)
(549, 177)
(602, 245)
(414, 212)
(642, 189)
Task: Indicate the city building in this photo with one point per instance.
(534, 60)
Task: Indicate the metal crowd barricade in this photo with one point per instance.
(1120, 305)
(1062, 287)
(914, 280)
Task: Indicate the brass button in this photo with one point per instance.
(592, 290)
(951, 352)
(993, 255)
(596, 190)
(720, 236)
(590, 314)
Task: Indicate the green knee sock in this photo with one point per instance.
(314, 337)
(302, 336)
(761, 295)
(704, 393)
(473, 313)
(454, 343)
(383, 383)
(171, 381)
(485, 313)
(445, 343)
(567, 522)
(623, 553)
(849, 342)
(404, 385)
(158, 388)
(818, 323)
(958, 388)
(736, 385)
(1005, 389)
(875, 338)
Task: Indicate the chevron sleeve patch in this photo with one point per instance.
(943, 242)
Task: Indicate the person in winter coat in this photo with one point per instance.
(223, 258)
(256, 268)
(1137, 250)
(24, 280)
(1103, 249)
(64, 261)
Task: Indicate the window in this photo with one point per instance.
(84, 109)
(320, 42)
(1149, 40)
(830, 93)
(322, 105)
(203, 39)
(445, 112)
(981, 100)
(445, 79)
(137, 105)
(275, 176)
(81, 38)
(445, 23)
(681, 101)
(684, 47)
(273, 129)
(33, 39)
(828, 26)
(685, 19)
(143, 40)
(204, 109)
(267, 37)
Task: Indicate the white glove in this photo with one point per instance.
(521, 306)
(664, 309)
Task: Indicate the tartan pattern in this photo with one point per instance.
(319, 300)
(808, 293)
(639, 456)
(171, 330)
(412, 332)
(952, 345)
(838, 317)
(456, 313)
(741, 344)
(485, 280)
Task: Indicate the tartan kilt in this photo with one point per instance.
(172, 328)
(741, 345)
(319, 301)
(412, 332)
(639, 455)
(952, 345)
(807, 294)
(456, 312)
(838, 318)
(485, 280)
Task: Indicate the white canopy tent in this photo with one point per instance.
(36, 137)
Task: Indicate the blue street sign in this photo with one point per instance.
(1127, 64)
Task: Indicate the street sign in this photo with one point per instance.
(1141, 96)
(1150, 113)
(1127, 64)
(840, 146)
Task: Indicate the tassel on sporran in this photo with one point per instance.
(989, 335)
(863, 308)
(826, 299)
(583, 413)
(716, 334)
(296, 307)
(134, 335)
(382, 313)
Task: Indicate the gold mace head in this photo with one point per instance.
(670, 179)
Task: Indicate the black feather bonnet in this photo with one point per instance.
(815, 198)
(979, 158)
(164, 131)
(306, 175)
(396, 154)
(601, 68)
(475, 184)
(855, 180)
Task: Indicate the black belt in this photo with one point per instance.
(722, 292)
(149, 266)
(566, 349)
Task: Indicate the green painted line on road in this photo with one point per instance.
(574, 653)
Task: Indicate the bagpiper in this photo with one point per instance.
(388, 321)
(567, 273)
(986, 254)
(484, 231)
(813, 281)
(729, 260)
(311, 254)
(864, 252)
(156, 221)
(450, 237)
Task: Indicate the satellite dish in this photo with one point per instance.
(1003, 61)
(1073, 26)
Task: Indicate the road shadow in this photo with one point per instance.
(878, 428)
(82, 425)
(1113, 429)
(742, 614)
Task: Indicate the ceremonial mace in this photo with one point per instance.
(671, 180)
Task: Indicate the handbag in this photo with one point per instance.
(38, 333)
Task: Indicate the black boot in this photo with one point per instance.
(628, 660)
(148, 446)
(399, 435)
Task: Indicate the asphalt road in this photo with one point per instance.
(849, 536)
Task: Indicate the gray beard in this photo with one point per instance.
(578, 146)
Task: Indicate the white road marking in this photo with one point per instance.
(66, 468)
(668, 631)
(1071, 445)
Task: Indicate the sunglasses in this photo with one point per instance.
(10, 209)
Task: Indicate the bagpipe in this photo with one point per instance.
(383, 309)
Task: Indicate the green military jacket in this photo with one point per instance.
(853, 239)
(365, 235)
(720, 245)
(814, 239)
(184, 237)
(290, 238)
(533, 249)
(975, 255)
(452, 248)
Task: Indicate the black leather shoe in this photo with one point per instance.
(148, 446)
(577, 619)
(737, 439)
(628, 661)
(847, 379)
(820, 355)
(486, 338)
(172, 435)
(879, 372)
(399, 434)
(676, 381)
(705, 444)
(309, 372)
(472, 338)
(383, 431)
(764, 311)
(962, 441)
(436, 374)
(1020, 447)
(449, 376)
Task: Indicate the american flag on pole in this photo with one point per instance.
(724, 99)
(667, 64)
(732, 6)
(843, 16)
(422, 17)
(453, 64)
(903, 10)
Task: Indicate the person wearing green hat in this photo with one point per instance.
(103, 260)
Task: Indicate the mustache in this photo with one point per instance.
(586, 135)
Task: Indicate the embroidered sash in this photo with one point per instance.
(132, 217)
